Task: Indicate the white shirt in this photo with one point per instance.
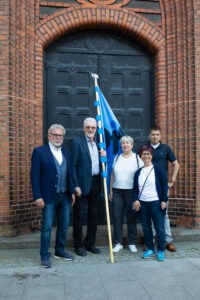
(94, 154)
(155, 146)
(149, 192)
(56, 152)
(124, 170)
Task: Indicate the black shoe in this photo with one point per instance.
(80, 251)
(93, 249)
(46, 263)
(65, 255)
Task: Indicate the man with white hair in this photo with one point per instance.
(53, 191)
(87, 182)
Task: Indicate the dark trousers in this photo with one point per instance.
(152, 211)
(91, 202)
(122, 205)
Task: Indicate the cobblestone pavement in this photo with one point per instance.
(30, 257)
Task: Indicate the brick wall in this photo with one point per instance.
(169, 29)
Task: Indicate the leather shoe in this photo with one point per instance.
(80, 251)
(170, 247)
(93, 249)
(145, 247)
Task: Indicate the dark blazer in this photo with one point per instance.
(44, 175)
(81, 164)
(161, 184)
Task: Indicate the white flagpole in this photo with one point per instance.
(95, 76)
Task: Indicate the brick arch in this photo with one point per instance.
(70, 20)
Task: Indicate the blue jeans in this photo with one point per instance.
(61, 209)
(152, 211)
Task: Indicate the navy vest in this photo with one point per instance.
(62, 176)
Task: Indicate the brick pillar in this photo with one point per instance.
(18, 116)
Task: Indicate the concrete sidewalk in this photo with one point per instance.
(94, 278)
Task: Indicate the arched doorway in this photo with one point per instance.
(126, 76)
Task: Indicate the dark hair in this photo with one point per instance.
(145, 148)
(155, 127)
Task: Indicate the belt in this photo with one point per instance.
(95, 175)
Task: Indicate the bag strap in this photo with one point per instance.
(137, 160)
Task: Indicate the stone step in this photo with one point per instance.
(32, 240)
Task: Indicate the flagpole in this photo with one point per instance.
(103, 160)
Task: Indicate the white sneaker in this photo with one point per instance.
(132, 248)
(117, 248)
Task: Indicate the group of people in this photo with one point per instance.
(138, 188)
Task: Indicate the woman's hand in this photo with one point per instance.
(136, 205)
(163, 205)
(111, 195)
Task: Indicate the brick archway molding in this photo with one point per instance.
(67, 21)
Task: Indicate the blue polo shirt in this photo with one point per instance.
(162, 155)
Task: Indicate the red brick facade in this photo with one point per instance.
(169, 29)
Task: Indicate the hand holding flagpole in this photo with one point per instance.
(103, 162)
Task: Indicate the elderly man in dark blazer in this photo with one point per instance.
(87, 182)
(53, 191)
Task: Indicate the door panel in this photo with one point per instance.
(123, 80)
(69, 91)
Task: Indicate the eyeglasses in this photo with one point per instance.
(57, 135)
(90, 127)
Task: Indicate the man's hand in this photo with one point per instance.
(73, 199)
(111, 195)
(78, 191)
(40, 203)
(170, 184)
(102, 152)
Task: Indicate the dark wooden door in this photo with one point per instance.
(125, 78)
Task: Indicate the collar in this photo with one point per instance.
(88, 140)
(155, 146)
(52, 147)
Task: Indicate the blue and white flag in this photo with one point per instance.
(112, 131)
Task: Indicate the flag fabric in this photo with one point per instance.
(112, 132)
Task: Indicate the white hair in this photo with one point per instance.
(89, 120)
(126, 138)
(56, 126)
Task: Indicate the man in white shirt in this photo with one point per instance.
(53, 191)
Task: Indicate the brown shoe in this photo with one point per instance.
(170, 247)
(145, 247)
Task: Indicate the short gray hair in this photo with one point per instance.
(56, 126)
(89, 120)
(126, 138)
